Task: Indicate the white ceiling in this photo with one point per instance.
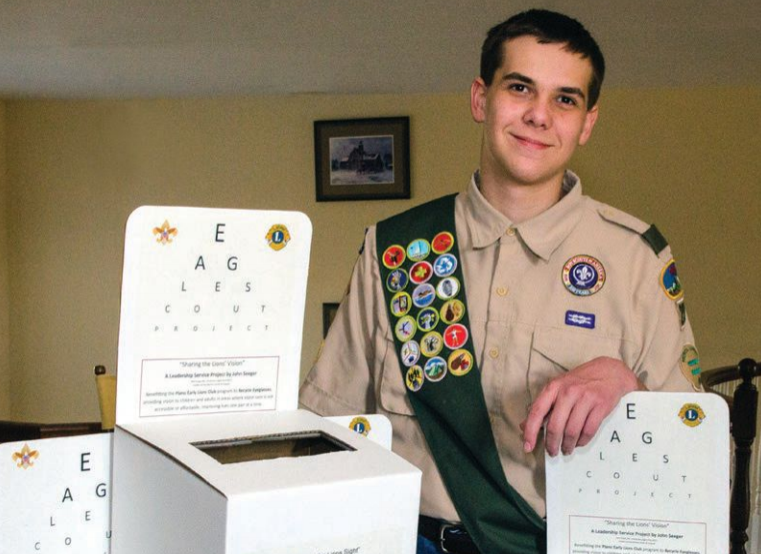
(149, 48)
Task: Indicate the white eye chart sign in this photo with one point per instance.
(212, 311)
(55, 495)
(655, 480)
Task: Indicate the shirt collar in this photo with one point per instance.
(542, 234)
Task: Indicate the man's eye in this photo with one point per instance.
(518, 87)
(567, 100)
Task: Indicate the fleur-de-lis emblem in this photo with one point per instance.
(164, 233)
(25, 458)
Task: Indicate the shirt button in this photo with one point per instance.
(502, 291)
(494, 353)
(510, 231)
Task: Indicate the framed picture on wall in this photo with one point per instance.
(329, 310)
(362, 159)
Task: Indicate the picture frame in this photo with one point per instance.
(329, 310)
(362, 159)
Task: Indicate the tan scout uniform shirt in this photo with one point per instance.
(517, 303)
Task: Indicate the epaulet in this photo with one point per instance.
(649, 233)
(362, 248)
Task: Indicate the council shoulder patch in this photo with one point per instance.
(670, 281)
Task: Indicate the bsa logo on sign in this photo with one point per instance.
(164, 233)
(25, 457)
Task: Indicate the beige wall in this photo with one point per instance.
(5, 389)
(685, 159)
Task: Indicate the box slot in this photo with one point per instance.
(271, 447)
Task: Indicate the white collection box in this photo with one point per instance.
(210, 453)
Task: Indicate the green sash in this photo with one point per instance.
(450, 408)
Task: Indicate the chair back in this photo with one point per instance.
(743, 410)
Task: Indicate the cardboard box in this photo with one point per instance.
(210, 453)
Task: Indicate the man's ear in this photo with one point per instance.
(478, 100)
(589, 122)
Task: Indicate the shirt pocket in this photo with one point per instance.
(393, 391)
(557, 351)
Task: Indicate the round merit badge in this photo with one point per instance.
(278, 236)
(435, 369)
(442, 242)
(410, 353)
(405, 328)
(445, 265)
(583, 275)
(455, 336)
(431, 344)
(418, 249)
(394, 256)
(692, 415)
(427, 319)
(452, 311)
(670, 281)
(414, 378)
(420, 272)
(400, 304)
(423, 295)
(360, 425)
(448, 288)
(460, 362)
(397, 280)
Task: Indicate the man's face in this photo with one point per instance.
(534, 112)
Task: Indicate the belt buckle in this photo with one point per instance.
(442, 530)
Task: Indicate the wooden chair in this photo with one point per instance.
(743, 410)
(12, 431)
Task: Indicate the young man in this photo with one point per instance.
(570, 304)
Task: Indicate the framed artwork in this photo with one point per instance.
(329, 310)
(362, 159)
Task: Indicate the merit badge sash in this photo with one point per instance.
(426, 303)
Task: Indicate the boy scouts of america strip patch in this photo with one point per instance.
(425, 302)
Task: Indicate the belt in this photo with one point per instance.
(450, 538)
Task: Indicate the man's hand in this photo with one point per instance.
(575, 404)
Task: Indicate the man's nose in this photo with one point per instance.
(538, 113)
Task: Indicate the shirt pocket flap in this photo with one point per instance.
(569, 349)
